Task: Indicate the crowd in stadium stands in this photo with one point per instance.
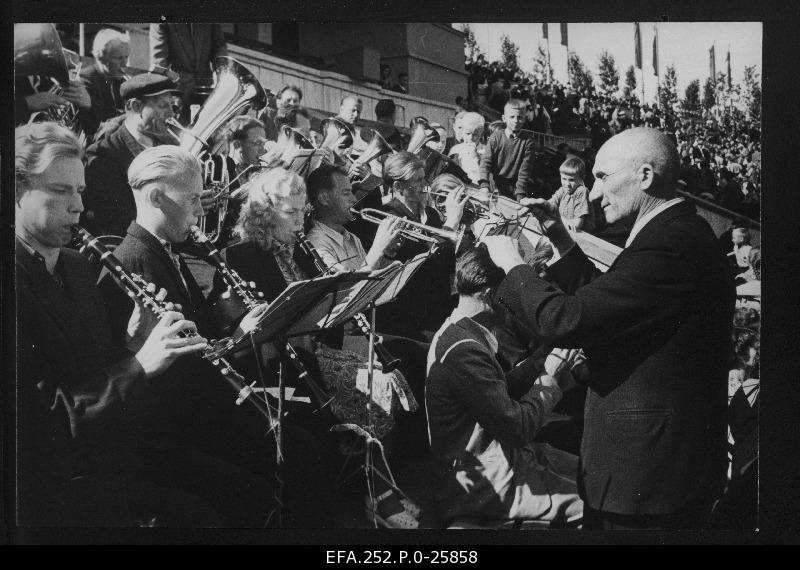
(721, 156)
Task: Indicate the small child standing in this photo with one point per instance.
(572, 199)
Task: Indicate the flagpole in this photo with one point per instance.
(658, 65)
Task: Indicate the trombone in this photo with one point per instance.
(412, 230)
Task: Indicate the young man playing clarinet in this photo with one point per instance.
(79, 460)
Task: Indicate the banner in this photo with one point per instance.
(728, 62)
(712, 64)
(655, 50)
(564, 38)
(637, 45)
(544, 31)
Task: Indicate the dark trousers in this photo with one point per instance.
(689, 518)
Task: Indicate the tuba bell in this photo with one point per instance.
(422, 135)
(38, 51)
(236, 91)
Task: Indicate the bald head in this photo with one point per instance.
(642, 145)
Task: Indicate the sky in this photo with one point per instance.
(682, 44)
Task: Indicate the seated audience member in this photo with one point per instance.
(402, 83)
(467, 154)
(741, 248)
(508, 157)
(104, 77)
(482, 420)
(572, 199)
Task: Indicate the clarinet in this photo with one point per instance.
(137, 287)
(246, 292)
(388, 361)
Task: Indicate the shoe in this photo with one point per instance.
(390, 512)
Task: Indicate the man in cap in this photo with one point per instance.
(108, 199)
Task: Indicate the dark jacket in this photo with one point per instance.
(656, 331)
(108, 202)
(107, 103)
(425, 302)
(74, 390)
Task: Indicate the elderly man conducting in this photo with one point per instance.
(656, 330)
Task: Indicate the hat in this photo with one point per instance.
(147, 85)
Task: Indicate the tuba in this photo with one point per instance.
(422, 135)
(38, 51)
(236, 91)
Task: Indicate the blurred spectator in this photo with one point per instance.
(402, 83)
(386, 77)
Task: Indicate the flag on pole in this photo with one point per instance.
(728, 62)
(544, 31)
(712, 64)
(637, 45)
(564, 38)
(655, 50)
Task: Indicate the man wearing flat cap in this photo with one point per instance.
(108, 200)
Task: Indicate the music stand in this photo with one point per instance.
(378, 295)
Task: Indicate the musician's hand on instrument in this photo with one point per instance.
(454, 206)
(359, 171)
(165, 344)
(552, 225)
(43, 100)
(136, 326)
(207, 200)
(77, 94)
(387, 240)
(504, 252)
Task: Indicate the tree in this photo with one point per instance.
(609, 75)
(709, 94)
(579, 76)
(668, 90)
(510, 54)
(471, 48)
(542, 73)
(691, 100)
(752, 93)
(630, 83)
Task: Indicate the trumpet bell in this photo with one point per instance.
(339, 135)
(422, 135)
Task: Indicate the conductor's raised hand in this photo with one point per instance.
(166, 343)
(553, 227)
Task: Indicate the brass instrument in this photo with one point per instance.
(338, 135)
(422, 135)
(376, 148)
(38, 51)
(236, 91)
(252, 299)
(295, 146)
(479, 200)
(412, 230)
(388, 362)
(137, 286)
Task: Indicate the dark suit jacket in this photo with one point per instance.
(656, 330)
(108, 202)
(426, 300)
(107, 103)
(74, 390)
(191, 391)
(190, 53)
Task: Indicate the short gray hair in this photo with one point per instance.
(163, 162)
(105, 37)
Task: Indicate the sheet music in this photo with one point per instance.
(401, 279)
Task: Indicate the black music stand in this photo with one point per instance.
(371, 297)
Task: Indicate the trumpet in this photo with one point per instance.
(412, 230)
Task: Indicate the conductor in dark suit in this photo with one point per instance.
(190, 51)
(656, 331)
